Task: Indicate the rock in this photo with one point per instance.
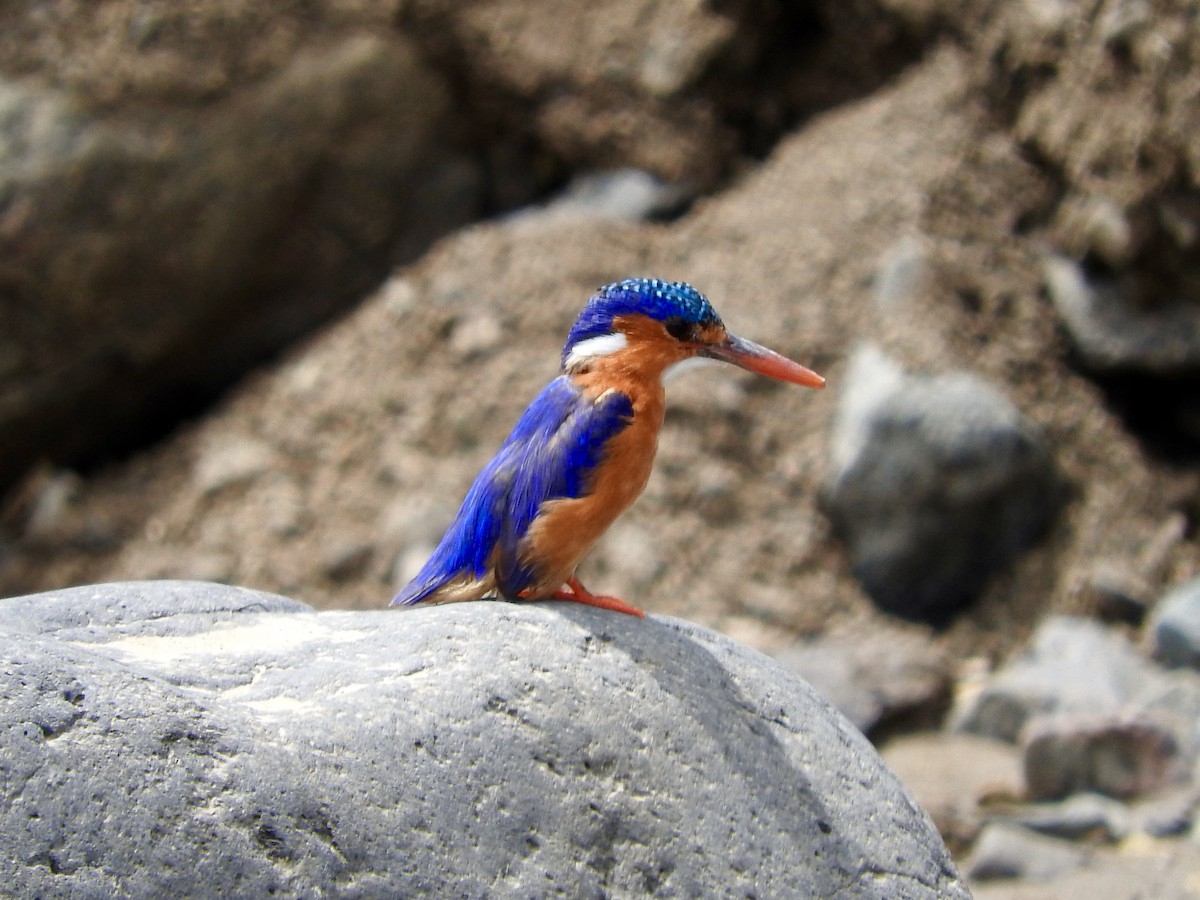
(226, 460)
(346, 559)
(228, 742)
(1169, 813)
(1010, 851)
(1072, 665)
(1087, 817)
(938, 483)
(1121, 756)
(870, 678)
(209, 227)
(1162, 870)
(1175, 627)
(1111, 333)
(626, 195)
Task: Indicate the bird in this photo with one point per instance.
(582, 452)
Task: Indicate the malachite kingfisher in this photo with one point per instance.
(582, 451)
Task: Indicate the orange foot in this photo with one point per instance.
(579, 594)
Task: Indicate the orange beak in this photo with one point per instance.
(756, 358)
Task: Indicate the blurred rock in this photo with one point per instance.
(1169, 813)
(206, 228)
(226, 460)
(1110, 333)
(346, 560)
(1083, 817)
(478, 749)
(1072, 665)
(939, 482)
(1010, 851)
(1119, 755)
(625, 195)
(881, 675)
(47, 514)
(1175, 626)
(1113, 593)
(679, 90)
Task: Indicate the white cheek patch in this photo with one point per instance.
(595, 347)
(673, 371)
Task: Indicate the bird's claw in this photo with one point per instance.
(577, 593)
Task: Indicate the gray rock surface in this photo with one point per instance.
(1010, 851)
(1072, 665)
(1118, 755)
(1175, 627)
(205, 233)
(939, 482)
(190, 739)
(1088, 816)
(1110, 332)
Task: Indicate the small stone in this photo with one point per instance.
(398, 296)
(1169, 813)
(1121, 756)
(903, 274)
(1110, 334)
(48, 511)
(477, 334)
(626, 195)
(1116, 595)
(1175, 629)
(347, 560)
(1073, 664)
(1082, 817)
(226, 461)
(1010, 851)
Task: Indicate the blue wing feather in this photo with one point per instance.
(550, 454)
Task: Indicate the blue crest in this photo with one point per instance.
(651, 297)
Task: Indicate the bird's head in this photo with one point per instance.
(658, 324)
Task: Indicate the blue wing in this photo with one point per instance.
(550, 454)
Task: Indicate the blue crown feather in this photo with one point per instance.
(651, 297)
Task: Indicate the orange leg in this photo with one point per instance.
(579, 594)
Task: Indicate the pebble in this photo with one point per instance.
(1118, 755)
(1073, 664)
(228, 460)
(1009, 851)
(1110, 334)
(1175, 626)
(1082, 817)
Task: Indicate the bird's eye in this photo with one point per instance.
(680, 328)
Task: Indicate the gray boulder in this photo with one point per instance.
(190, 739)
(939, 482)
(158, 243)
(1072, 665)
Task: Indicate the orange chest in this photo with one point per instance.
(629, 456)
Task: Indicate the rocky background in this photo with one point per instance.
(277, 281)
